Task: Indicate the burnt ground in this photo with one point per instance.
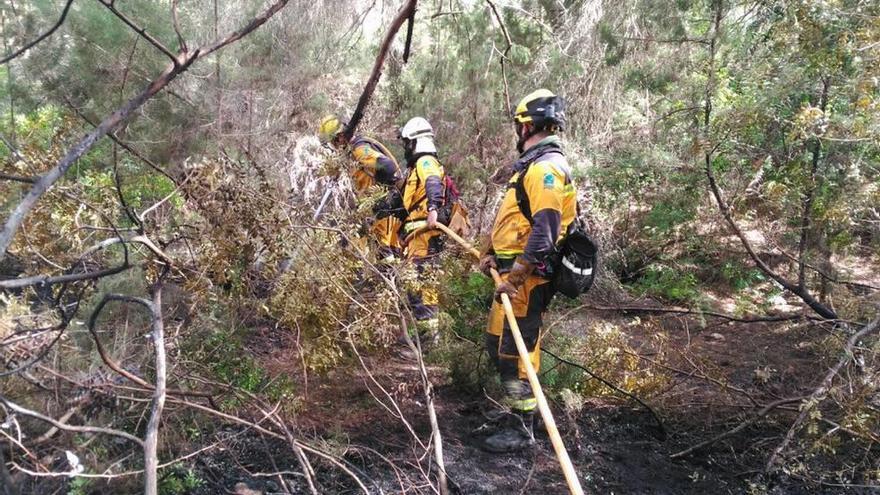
(613, 443)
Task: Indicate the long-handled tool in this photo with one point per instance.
(571, 478)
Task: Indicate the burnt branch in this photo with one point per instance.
(17, 178)
(738, 428)
(504, 55)
(40, 38)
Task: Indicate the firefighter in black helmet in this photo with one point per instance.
(539, 204)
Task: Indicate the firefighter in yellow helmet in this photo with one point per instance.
(539, 204)
(423, 196)
(375, 165)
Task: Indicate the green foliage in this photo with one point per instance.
(80, 486)
(177, 480)
(740, 277)
(668, 283)
(466, 297)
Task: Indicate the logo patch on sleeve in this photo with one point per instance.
(549, 181)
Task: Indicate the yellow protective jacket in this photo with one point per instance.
(543, 176)
(375, 164)
(423, 190)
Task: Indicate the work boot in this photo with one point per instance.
(495, 421)
(516, 435)
(404, 352)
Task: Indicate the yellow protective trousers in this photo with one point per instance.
(529, 305)
(423, 250)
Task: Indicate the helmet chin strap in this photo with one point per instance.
(409, 147)
(521, 137)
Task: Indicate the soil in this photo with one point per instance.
(613, 443)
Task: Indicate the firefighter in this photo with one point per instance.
(375, 166)
(537, 208)
(423, 197)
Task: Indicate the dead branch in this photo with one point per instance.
(18, 283)
(503, 55)
(733, 431)
(428, 390)
(133, 152)
(17, 178)
(409, 34)
(181, 43)
(7, 486)
(679, 311)
(40, 38)
(818, 394)
(62, 426)
(111, 363)
(151, 437)
(117, 118)
(403, 14)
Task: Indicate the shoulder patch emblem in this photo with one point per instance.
(549, 181)
(426, 163)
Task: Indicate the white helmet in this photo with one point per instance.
(419, 130)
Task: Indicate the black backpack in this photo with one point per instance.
(572, 266)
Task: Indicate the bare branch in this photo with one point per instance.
(17, 178)
(62, 426)
(819, 394)
(151, 438)
(111, 363)
(503, 55)
(733, 431)
(40, 38)
(181, 43)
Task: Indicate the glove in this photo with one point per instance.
(505, 288)
(432, 219)
(487, 262)
(515, 279)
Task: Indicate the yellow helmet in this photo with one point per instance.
(330, 127)
(541, 108)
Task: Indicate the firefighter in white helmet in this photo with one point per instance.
(423, 196)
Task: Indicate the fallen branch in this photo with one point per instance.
(17, 178)
(733, 431)
(679, 311)
(818, 395)
(503, 55)
(66, 427)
